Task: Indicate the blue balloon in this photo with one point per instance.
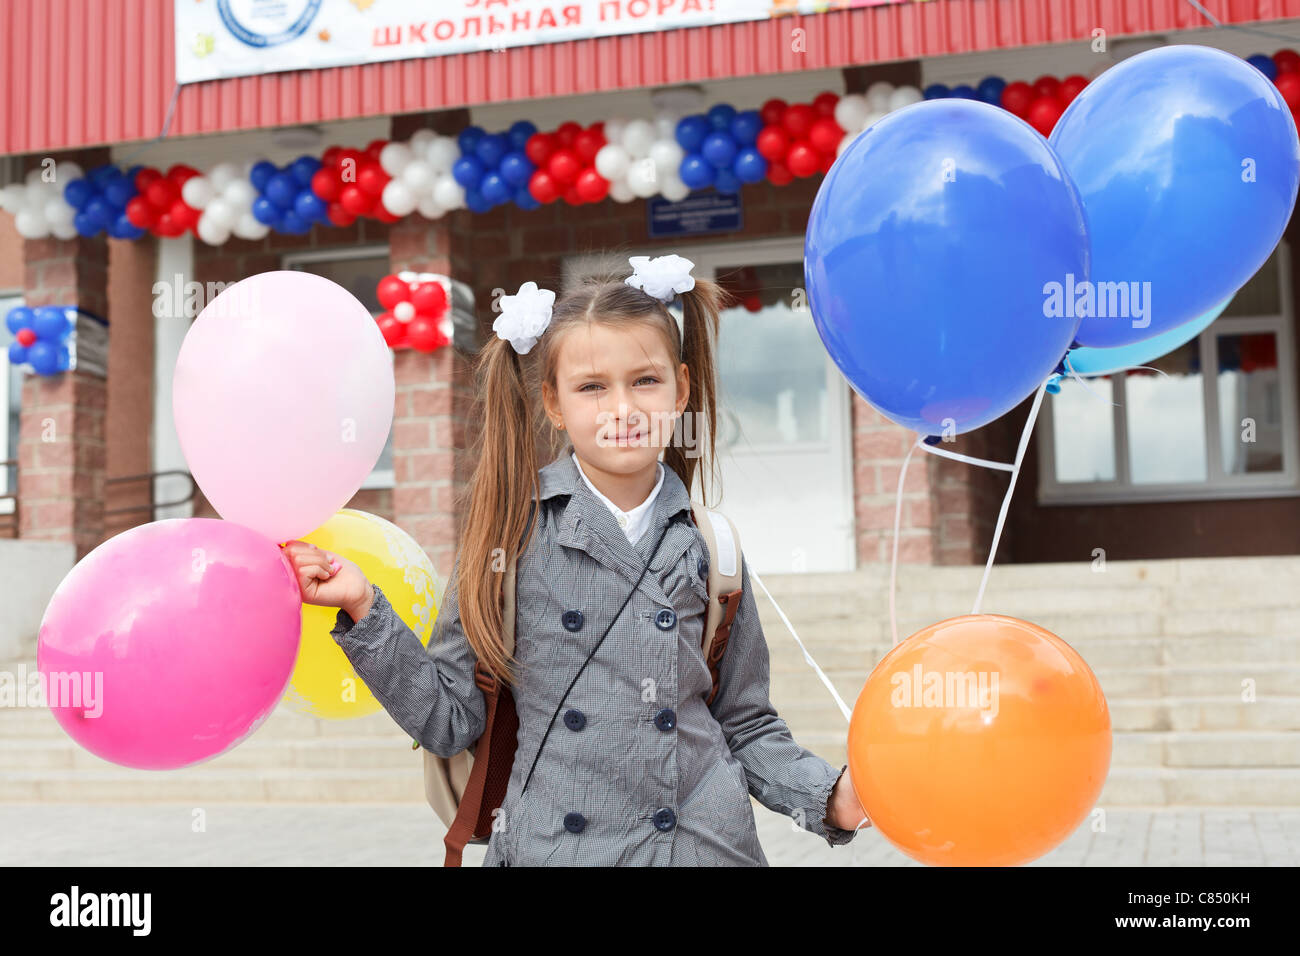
(282, 190)
(750, 166)
(719, 149)
(1264, 64)
(77, 193)
(519, 135)
(691, 131)
(119, 192)
(100, 212)
(725, 181)
(1163, 148)
(516, 169)
(746, 127)
(696, 171)
(311, 207)
(475, 202)
(65, 358)
(937, 91)
(261, 174)
(469, 138)
(990, 89)
(490, 149)
(51, 324)
(495, 189)
(17, 353)
(467, 171)
(964, 92)
(44, 357)
(101, 176)
(19, 317)
(265, 211)
(125, 229)
(294, 224)
(524, 199)
(85, 224)
(926, 287)
(721, 115)
(304, 168)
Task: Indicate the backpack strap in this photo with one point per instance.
(494, 754)
(724, 586)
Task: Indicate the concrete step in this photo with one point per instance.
(19, 723)
(254, 754)
(204, 784)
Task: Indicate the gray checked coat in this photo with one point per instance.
(638, 770)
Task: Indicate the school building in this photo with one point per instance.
(1150, 471)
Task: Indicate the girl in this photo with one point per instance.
(640, 767)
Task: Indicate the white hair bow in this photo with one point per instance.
(524, 316)
(662, 277)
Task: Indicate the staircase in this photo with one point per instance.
(1170, 641)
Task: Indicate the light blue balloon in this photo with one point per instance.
(1188, 164)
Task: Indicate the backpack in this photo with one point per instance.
(466, 788)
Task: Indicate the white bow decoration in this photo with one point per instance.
(663, 277)
(524, 316)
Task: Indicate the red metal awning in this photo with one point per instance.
(85, 72)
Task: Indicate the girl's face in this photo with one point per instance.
(617, 393)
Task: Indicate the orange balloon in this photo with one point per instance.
(982, 740)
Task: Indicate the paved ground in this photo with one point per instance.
(405, 835)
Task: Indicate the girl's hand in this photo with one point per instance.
(327, 580)
(843, 809)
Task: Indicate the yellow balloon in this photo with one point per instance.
(323, 682)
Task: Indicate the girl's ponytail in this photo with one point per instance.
(700, 321)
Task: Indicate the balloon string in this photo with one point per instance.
(1127, 368)
(944, 453)
(898, 515)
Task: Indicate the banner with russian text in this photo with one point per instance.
(224, 38)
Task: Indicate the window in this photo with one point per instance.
(1220, 422)
(358, 271)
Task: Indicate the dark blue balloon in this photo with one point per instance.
(524, 199)
(310, 207)
(516, 169)
(127, 229)
(469, 138)
(65, 358)
(100, 212)
(746, 127)
(51, 324)
(101, 176)
(990, 89)
(119, 192)
(750, 166)
(721, 115)
(282, 190)
(964, 92)
(77, 193)
(19, 317)
(85, 224)
(17, 353)
(475, 202)
(265, 211)
(467, 171)
(304, 168)
(719, 149)
(1264, 64)
(937, 91)
(44, 358)
(696, 171)
(519, 135)
(131, 173)
(1164, 148)
(294, 224)
(691, 131)
(494, 188)
(490, 148)
(927, 292)
(726, 182)
(261, 174)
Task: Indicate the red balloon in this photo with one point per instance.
(572, 196)
(772, 111)
(375, 147)
(827, 161)
(539, 148)
(798, 120)
(772, 143)
(598, 128)
(372, 178)
(140, 213)
(825, 135)
(423, 335)
(825, 103)
(753, 302)
(803, 159)
(25, 337)
(179, 173)
(587, 144)
(340, 216)
(162, 193)
(380, 212)
(591, 186)
(331, 156)
(1016, 98)
(146, 178)
(1071, 87)
(1046, 85)
(542, 187)
(392, 329)
(167, 227)
(186, 215)
(429, 298)
(356, 200)
(1287, 61)
(355, 155)
(778, 173)
(325, 183)
(567, 133)
(1288, 84)
(564, 166)
(1044, 112)
(392, 290)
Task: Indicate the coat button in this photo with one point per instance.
(572, 620)
(666, 719)
(702, 567)
(665, 619)
(574, 822)
(575, 719)
(665, 819)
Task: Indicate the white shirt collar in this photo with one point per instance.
(635, 522)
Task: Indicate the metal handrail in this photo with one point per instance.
(154, 505)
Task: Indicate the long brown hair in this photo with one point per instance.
(512, 415)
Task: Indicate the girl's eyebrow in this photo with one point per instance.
(587, 376)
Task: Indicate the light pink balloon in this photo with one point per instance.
(283, 399)
(192, 627)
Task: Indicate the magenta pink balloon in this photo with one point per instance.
(171, 642)
(283, 399)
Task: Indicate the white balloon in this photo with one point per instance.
(851, 110)
(30, 225)
(66, 171)
(11, 197)
(221, 176)
(421, 139)
(64, 231)
(620, 191)
(240, 194)
(404, 311)
(57, 212)
(221, 215)
(643, 178)
(249, 228)
(35, 197)
(418, 176)
(398, 198)
(667, 156)
(905, 96)
(394, 158)
(442, 154)
(666, 124)
(872, 119)
(428, 208)
(612, 161)
(448, 193)
(614, 129)
(673, 189)
(198, 192)
(878, 95)
(638, 137)
(33, 177)
(210, 231)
